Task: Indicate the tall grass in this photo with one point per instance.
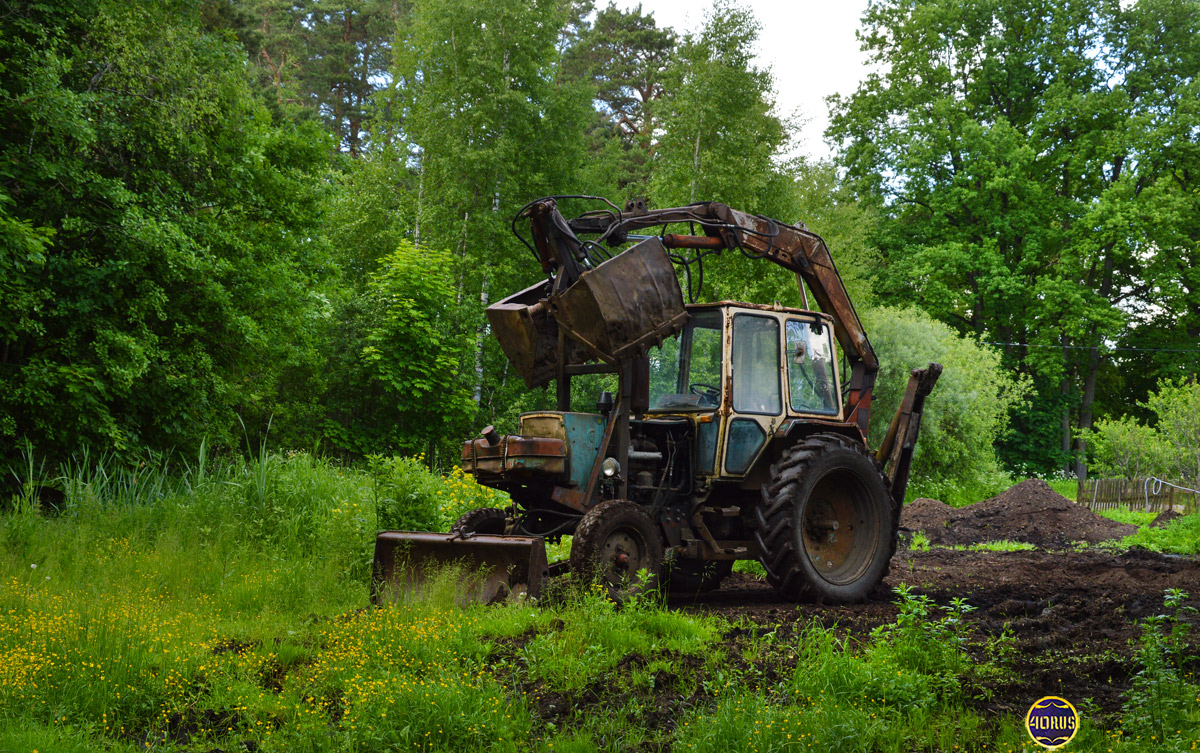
(209, 603)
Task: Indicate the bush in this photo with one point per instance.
(1180, 536)
(1170, 448)
(967, 413)
(1177, 407)
(1162, 703)
(1125, 448)
(411, 497)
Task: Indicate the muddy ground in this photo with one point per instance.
(1072, 611)
(1073, 614)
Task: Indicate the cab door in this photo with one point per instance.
(756, 380)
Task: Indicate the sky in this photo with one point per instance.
(809, 46)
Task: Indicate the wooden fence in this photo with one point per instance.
(1135, 494)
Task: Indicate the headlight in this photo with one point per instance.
(610, 467)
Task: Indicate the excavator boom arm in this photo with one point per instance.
(792, 247)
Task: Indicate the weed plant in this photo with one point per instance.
(1180, 536)
(1164, 701)
(919, 543)
(1129, 517)
(1003, 545)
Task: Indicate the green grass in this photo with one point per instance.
(224, 603)
(750, 567)
(1067, 487)
(1130, 517)
(1003, 545)
(1180, 536)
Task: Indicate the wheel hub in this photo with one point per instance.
(829, 533)
(623, 553)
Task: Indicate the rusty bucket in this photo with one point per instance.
(618, 310)
(495, 568)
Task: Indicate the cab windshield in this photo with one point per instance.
(685, 373)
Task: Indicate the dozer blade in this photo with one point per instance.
(494, 567)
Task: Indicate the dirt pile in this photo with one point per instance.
(923, 514)
(1030, 511)
(1164, 518)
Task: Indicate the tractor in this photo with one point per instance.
(737, 431)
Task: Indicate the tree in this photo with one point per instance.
(623, 56)
(1016, 147)
(487, 125)
(1169, 447)
(721, 137)
(323, 59)
(163, 231)
(721, 140)
(1125, 448)
(1177, 407)
(347, 56)
(403, 386)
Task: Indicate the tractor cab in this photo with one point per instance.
(737, 373)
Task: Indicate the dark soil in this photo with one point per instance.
(1163, 518)
(1031, 512)
(1072, 614)
(924, 514)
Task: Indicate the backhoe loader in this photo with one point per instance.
(736, 432)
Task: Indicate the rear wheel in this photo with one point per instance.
(618, 544)
(483, 520)
(826, 526)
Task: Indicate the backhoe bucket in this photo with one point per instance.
(616, 311)
(493, 567)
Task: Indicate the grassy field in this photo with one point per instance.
(224, 607)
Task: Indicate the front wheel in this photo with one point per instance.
(826, 526)
(491, 520)
(618, 544)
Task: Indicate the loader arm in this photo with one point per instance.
(792, 247)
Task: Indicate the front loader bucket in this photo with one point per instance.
(495, 567)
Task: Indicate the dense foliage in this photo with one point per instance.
(1037, 164)
(161, 225)
(954, 460)
(229, 215)
(1168, 447)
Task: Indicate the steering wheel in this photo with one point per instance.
(706, 391)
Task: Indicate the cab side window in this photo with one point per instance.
(810, 368)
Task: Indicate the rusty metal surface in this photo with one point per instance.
(896, 451)
(528, 335)
(624, 306)
(618, 310)
(793, 247)
(582, 432)
(515, 457)
(497, 567)
(572, 498)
